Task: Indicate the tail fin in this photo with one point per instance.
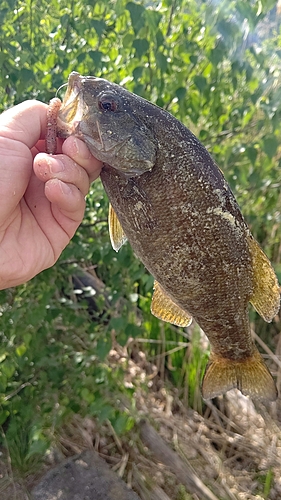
(251, 376)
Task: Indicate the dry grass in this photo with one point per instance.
(233, 450)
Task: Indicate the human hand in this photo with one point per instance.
(41, 196)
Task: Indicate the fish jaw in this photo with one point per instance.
(95, 110)
(72, 108)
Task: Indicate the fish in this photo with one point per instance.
(171, 201)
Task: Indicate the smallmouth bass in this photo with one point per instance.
(173, 204)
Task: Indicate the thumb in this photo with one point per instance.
(20, 129)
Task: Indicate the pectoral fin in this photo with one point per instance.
(266, 293)
(116, 233)
(164, 308)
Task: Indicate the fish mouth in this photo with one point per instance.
(73, 107)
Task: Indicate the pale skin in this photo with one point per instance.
(42, 197)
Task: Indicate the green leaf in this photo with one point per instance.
(27, 337)
(3, 13)
(8, 368)
(87, 395)
(81, 57)
(127, 40)
(99, 26)
(203, 135)
(96, 56)
(137, 15)
(103, 410)
(103, 348)
(137, 73)
(252, 154)
(141, 46)
(27, 76)
(228, 29)
(3, 356)
(64, 20)
(37, 447)
(21, 350)
(159, 38)
(153, 19)
(4, 414)
(161, 61)
(123, 423)
(181, 93)
(193, 59)
(160, 102)
(133, 330)
(218, 53)
(200, 82)
(269, 146)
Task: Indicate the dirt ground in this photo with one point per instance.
(233, 451)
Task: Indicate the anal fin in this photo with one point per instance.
(116, 233)
(266, 293)
(164, 308)
(251, 376)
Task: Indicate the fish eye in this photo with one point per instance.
(108, 102)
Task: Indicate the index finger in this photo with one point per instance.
(25, 122)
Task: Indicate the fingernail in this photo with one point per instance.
(80, 149)
(75, 147)
(56, 166)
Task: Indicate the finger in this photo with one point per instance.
(78, 151)
(25, 122)
(15, 169)
(47, 167)
(68, 204)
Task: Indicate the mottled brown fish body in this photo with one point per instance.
(182, 220)
(173, 235)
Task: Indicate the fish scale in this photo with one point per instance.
(173, 204)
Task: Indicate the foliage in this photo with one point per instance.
(213, 66)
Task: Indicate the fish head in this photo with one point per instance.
(104, 116)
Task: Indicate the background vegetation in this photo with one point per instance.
(214, 65)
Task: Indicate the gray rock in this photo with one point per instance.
(82, 477)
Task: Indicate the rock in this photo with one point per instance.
(82, 477)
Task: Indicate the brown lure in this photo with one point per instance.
(51, 128)
(173, 204)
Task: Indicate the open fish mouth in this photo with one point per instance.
(73, 107)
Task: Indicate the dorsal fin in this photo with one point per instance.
(116, 233)
(164, 308)
(266, 292)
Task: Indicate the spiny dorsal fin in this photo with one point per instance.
(251, 376)
(164, 308)
(116, 233)
(266, 292)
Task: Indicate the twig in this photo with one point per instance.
(116, 438)
(168, 457)
(155, 341)
(16, 391)
(266, 348)
(148, 491)
(167, 353)
(173, 8)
